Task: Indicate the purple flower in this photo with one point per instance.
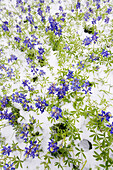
(109, 10)
(17, 39)
(7, 166)
(75, 85)
(105, 53)
(106, 115)
(111, 128)
(53, 146)
(18, 28)
(94, 21)
(86, 16)
(99, 18)
(41, 50)
(13, 57)
(56, 112)
(94, 37)
(70, 74)
(86, 87)
(40, 104)
(81, 65)
(66, 47)
(107, 20)
(6, 150)
(52, 89)
(78, 5)
(32, 151)
(87, 41)
(4, 26)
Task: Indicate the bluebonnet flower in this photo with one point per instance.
(32, 151)
(52, 89)
(4, 26)
(10, 73)
(56, 112)
(61, 91)
(30, 18)
(41, 51)
(40, 104)
(98, 5)
(91, 10)
(13, 57)
(109, 10)
(25, 82)
(107, 20)
(105, 115)
(70, 74)
(23, 9)
(75, 85)
(78, 5)
(27, 107)
(53, 146)
(17, 39)
(8, 167)
(80, 65)
(3, 67)
(40, 11)
(41, 72)
(99, 18)
(48, 9)
(87, 41)
(86, 87)
(66, 47)
(111, 128)
(15, 97)
(60, 8)
(105, 53)
(86, 16)
(94, 21)
(94, 37)
(18, 28)
(18, 2)
(34, 70)
(6, 150)
(93, 58)
(41, 1)
(28, 60)
(4, 101)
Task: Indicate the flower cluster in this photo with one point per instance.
(56, 112)
(53, 146)
(105, 115)
(8, 167)
(32, 151)
(40, 104)
(4, 26)
(4, 101)
(54, 26)
(6, 150)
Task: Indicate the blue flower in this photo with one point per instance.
(94, 37)
(105, 53)
(87, 41)
(86, 16)
(6, 150)
(86, 88)
(53, 146)
(75, 85)
(109, 10)
(111, 128)
(17, 39)
(52, 89)
(7, 167)
(32, 151)
(81, 65)
(56, 112)
(107, 20)
(78, 5)
(70, 74)
(40, 104)
(104, 115)
(4, 26)
(13, 57)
